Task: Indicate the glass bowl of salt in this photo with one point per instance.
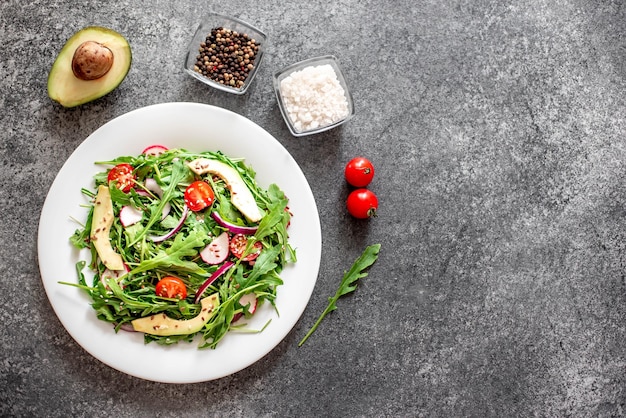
(313, 96)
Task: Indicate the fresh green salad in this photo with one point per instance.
(182, 244)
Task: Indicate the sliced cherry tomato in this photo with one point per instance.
(199, 195)
(362, 203)
(238, 244)
(123, 176)
(359, 172)
(171, 287)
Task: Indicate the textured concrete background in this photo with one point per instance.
(497, 130)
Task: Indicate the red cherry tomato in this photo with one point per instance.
(362, 203)
(199, 195)
(123, 177)
(238, 244)
(359, 172)
(171, 287)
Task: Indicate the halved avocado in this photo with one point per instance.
(92, 63)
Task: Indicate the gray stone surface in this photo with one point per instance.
(498, 133)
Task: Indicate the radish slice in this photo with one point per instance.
(161, 238)
(167, 208)
(130, 215)
(142, 192)
(217, 250)
(154, 187)
(248, 298)
(155, 150)
(113, 274)
(128, 327)
(235, 229)
(221, 270)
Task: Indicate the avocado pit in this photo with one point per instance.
(91, 61)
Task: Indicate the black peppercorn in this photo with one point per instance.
(227, 57)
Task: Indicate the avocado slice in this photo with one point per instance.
(101, 222)
(92, 63)
(240, 195)
(163, 325)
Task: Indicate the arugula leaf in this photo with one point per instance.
(278, 203)
(348, 283)
(263, 264)
(183, 246)
(178, 174)
(131, 303)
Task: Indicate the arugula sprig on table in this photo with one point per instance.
(348, 283)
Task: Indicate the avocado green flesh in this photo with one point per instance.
(241, 196)
(100, 228)
(69, 91)
(163, 325)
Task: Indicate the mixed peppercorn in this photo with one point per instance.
(227, 57)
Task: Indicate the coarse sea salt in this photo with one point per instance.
(314, 98)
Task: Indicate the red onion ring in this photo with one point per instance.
(221, 270)
(235, 229)
(161, 238)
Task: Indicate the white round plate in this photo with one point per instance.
(195, 127)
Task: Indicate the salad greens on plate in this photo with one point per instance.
(181, 244)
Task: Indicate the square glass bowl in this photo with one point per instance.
(312, 103)
(215, 21)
